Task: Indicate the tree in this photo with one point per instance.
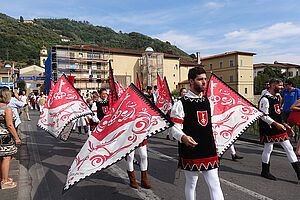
(21, 19)
(269, 73)
(21, 85)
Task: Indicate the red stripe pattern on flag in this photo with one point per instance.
(164, 98)
(62, 107)
(129, 122)
(232, 114)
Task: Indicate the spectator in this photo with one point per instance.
(296, 108)
(8, 132)
(289, 95)
(15, 104)
(24, 99)
(42, 101)
(267, 86)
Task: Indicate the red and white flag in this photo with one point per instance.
(231, 113)
(113, 94)
(164, 99)
(120, 89)
(138, 82)
(159, 82)
(131, 120)
(62, 107)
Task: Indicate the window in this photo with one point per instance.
(80, 66)
(93, 56)
(4, 79)
(174, 75)
(176, 67)
(246, 90)
(231, 78)
(210, 66)
(231, 63)
(89, 65)
(72, 55)
(290, 73)
(221, 65)
(241, 62)
(80, 55)
(44, 60)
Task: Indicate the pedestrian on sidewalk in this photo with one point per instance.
(273, 129)
(193, 129)
(7, 133)
(24, 99)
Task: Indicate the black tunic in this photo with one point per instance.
(102, 108)
(272, 134)
(197, 124)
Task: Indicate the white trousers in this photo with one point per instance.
(143, 155)
(212, 180)
(268, 148)
(232, 150)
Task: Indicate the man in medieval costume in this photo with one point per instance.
(273, 129)
(193, 129)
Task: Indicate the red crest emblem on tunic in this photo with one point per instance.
(277, 108)
(202, 117)
(105, 109)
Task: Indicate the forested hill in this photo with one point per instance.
(21, 41)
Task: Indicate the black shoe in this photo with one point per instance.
(266, 172)
(236, 157)
(168, 137)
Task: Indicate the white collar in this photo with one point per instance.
(190, 94)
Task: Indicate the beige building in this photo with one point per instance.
(43, 56)
(34, 77)
(82, 61)
(235, 68)
(291, 70)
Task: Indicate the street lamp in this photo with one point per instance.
(8, 66)
(148, 52)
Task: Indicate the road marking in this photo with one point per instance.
(245, 190)
(228, 183)
(142, 193)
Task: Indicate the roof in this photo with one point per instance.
(276, 64)
(228, 53)
(112, 50)
(188, 62)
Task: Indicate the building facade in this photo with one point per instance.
(90, 66)
(291, 70)
(33, 76)
(235, 68)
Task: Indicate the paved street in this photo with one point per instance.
(45, 162)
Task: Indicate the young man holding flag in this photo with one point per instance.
(193, 129)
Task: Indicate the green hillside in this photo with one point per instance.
(22, 41)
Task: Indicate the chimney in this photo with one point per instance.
(198, 58)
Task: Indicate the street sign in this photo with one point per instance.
(6, 84)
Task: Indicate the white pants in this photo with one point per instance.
(143, 155)
(232, 150)
(211, 179)
(268, 148)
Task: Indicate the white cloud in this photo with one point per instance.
(279, 42)
(214, 5)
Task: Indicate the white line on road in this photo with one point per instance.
(238, 187)
(143, 193)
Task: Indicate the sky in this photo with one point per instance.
(269, 28)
